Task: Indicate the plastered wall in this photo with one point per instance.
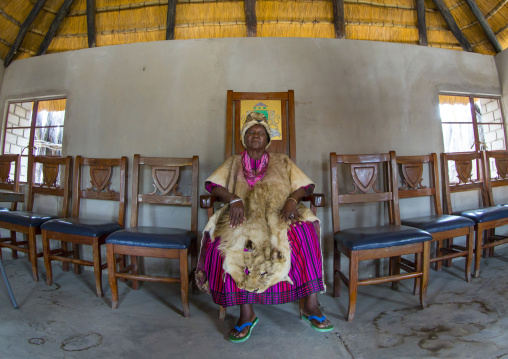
(169, 99)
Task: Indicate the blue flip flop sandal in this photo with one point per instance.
(251, 325)
(323, 318)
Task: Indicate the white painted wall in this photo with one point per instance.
(169, 98)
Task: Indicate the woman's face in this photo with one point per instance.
(256, 138)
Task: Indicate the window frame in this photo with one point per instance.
(33, 122)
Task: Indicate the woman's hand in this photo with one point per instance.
(236, 214)
(289, 211)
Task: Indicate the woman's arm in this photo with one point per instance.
(289, 211)
(236, 212)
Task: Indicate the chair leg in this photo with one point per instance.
(469, 257)
(14, 252)
(65, 248)
(222, 313)
(110, 252)
(336, 270)
(135, 270)
(478, 253)
(32, 252)
(184, 281)
(75, 250)
(425, 273)
(353, 285)
(97, 266)
(418, 268)
(439, 264)
(194, 264)
(47, 260)
(395, 269)
(449, 244)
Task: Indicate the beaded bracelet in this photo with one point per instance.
(293, 199)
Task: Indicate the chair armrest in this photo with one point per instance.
(206, 201)
(316, 199)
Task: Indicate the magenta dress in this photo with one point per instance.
(306, 265)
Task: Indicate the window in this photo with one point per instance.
(471, 124)
(34, 128)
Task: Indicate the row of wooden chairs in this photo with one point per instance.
(101, 183)
(402, 177)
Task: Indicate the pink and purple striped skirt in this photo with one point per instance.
(306, 272)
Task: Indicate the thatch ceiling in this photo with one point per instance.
(35, 27)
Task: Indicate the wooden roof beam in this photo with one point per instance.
(90, 22)
(485, 25)
(23, 30)
(422, 23)
(339, 24)
(453, 25)
(62, 12)
(171, 20)
(250, 17)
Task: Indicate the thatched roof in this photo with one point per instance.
(61, 25)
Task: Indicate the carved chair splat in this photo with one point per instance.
(29, 222)
(78, 230)
(374, 179)
(442, 227)
(286, 144)
(487, 217)
(158, 242)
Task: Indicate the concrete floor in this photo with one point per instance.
(67, 320)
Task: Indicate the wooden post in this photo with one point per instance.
(339, 24)
(422, 24)
(250, 17)
(453, 25)
(90, 22)
(485, 25)
(171, 20)
(62, 12)
(23, 30)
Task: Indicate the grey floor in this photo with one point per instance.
(67, 320)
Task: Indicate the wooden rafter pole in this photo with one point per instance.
(90, 22)
(23, 30)
(250, 17)
(453, 25)
(60, 15)
(339, 24)
(485, 25)
(171, 20)
(422, 23)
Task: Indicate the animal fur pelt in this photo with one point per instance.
(257, 255)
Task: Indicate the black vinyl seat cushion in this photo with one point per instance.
(438, 223)
(486, 214)
(153, 237)
(4, 209)
(25, 219)
(81, 226)
(380, 237)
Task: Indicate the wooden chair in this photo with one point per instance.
(29, 222)
(283, 135)
(158, 242)
(383, 241)
(486, 217)
(442, 227)
(92, 232)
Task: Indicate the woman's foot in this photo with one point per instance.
(311, 308)
(246, 315)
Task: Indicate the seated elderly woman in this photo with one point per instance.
(262, 247)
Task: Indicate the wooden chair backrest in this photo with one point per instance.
(411, 170)
(7, 184)
(234, 117)
(365, 172)
(52, 168)
(500, 164)
(165, 176)
(464, 165)
(101, 171)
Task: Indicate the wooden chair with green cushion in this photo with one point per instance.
(387, 240)
(93, 189)
(29, 222)
(158, 241)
